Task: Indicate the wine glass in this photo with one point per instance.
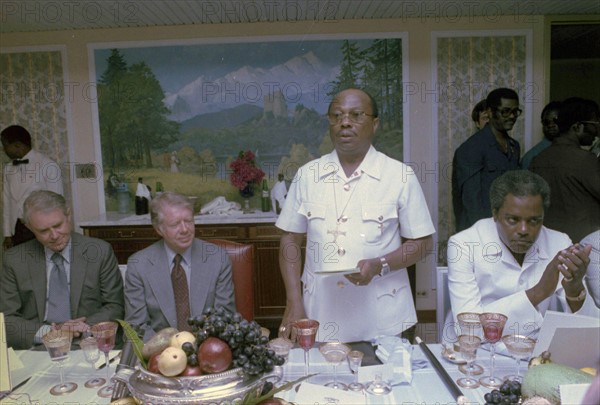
(306, 333)
(89, 346)
(468, 349)
(105, 334)
(355, 359)
(58, 344)
(379, 386)
(470, 324)
(521, 348)
(493, 325)
(335, 353)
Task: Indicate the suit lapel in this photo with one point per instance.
(36, 268)
(159, 276)
(198, 280)
(79, 268)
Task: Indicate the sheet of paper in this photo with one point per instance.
(5, 381)
(14, 360)
(554, 320)
(311, 394)
(340, 271)
(572, 393)
(569, 348)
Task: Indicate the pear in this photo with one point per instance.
(178, 339)
(172, 361)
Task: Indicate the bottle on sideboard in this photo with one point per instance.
(265, 199)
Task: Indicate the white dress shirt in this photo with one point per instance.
(379, 203)
(483, 276)
(41, 173)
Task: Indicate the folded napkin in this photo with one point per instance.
(220, 206)
(397, 352)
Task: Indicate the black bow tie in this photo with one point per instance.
(18, 162)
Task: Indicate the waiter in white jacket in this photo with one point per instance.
(29, 170)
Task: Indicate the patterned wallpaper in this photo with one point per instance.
(468, 68)
(32, 89)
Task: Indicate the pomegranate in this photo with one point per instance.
(153, 363)
(214, 356)
(190, 371)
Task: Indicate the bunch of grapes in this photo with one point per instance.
(248, 346)
(508, 394)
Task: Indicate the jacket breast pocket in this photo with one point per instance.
(377, 220)
(315, 216)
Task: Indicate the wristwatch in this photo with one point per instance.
(579, 298)
(385, 267)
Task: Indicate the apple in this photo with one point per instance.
(172, 361)
(190, 371)
(153, 363)
(214, 356)
(180, 338)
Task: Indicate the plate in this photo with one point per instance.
(453, 357)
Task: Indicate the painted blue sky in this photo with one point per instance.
(177, 65)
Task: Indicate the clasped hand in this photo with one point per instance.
(77, 326)
(572, 263)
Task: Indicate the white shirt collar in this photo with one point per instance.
(370, 165)
(65, 253)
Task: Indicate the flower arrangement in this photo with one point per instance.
(245, 172)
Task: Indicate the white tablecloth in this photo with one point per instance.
(426, 387)
(45, 374)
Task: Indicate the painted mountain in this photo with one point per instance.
(302, 80)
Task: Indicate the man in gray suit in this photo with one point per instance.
(177, 277)
(31, 294)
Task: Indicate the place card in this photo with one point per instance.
(367, 374)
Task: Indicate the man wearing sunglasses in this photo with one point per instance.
(484, 157)
(572, 172)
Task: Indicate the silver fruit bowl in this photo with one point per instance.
(228, 387)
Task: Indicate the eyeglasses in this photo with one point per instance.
(590, 122)
(507, 112)
(357, 117)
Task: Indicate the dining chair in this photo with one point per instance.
(242, 265)
(442, 307)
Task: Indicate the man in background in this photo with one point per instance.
(60, 280)
(28, 171)
(550, 130)
(572, 172)
(483, 157)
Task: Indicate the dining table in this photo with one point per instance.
(426, 386)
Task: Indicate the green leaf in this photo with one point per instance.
(137, 343)
(250, 400)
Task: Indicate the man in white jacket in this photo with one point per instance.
(29, 170)
(512, 264)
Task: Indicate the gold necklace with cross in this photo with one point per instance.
(340, 217)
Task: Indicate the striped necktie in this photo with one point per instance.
(182, 294)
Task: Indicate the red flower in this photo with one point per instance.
(245, 171)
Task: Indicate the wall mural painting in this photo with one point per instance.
(178, 115)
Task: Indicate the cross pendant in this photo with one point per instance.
(336, 232)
